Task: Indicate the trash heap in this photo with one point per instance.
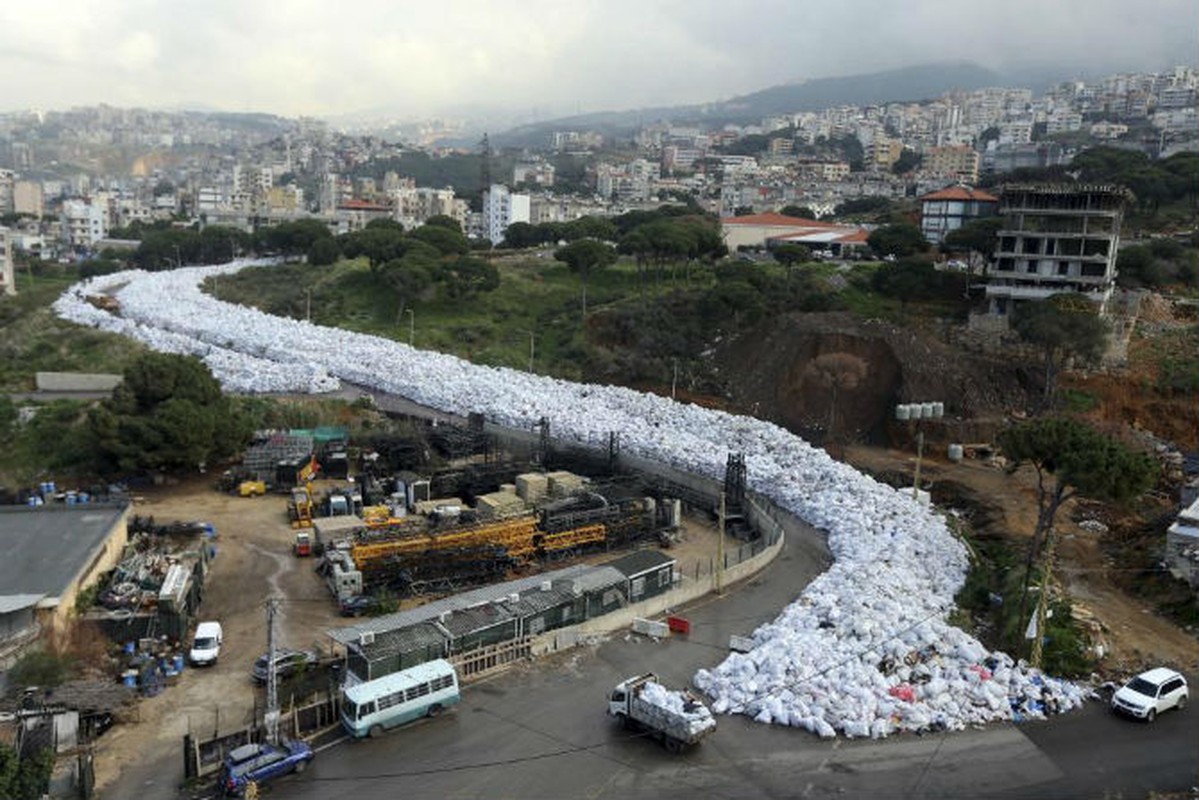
(866, 650)
(696, 715)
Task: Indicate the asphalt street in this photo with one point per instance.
(541, 732)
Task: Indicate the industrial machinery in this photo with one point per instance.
(299, 507)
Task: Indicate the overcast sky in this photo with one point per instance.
(553, 57)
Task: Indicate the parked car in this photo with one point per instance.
(287, 663)
(1151, 693)
(261, 762)
(207, 644)
(357, 605)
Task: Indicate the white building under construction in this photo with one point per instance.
(1056, 238)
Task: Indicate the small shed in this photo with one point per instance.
(647, 573)
(479, 626)
(601, 589)
(374, 655)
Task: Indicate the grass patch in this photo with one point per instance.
(36, 340)
(1076, 401)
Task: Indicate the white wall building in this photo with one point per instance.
(7, 276)
(83, 223)
(500, 209)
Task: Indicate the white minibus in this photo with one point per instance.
(422, 691)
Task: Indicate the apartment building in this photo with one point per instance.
(950, 208)
(500, 209)
(84, 223)
(1056, 238)
(28, 198)
(883, 152)
(958, 163)
(8, 280)
(8, 181)
(537, 173)
(823, 170)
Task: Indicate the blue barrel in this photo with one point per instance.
(130, 679)
(179, 663)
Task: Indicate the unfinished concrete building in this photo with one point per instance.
(1055, 238)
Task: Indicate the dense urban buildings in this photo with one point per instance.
(210, 169)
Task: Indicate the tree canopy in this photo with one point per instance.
(582, 257)
(1071, 459)
(1063, 327)
(899, 240)
(167, 414)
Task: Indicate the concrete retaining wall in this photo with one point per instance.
(76, 381)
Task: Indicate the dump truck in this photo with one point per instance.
(676, 718)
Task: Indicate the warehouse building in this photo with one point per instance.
(52, 554)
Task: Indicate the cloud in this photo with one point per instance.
(316, 57)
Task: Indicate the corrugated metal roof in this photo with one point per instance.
(598, 578)
(16, 602)
(433, 610)
(404, 640)
(641, 562)
(466, 621)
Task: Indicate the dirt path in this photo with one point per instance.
(253, 561)
(1133, 635)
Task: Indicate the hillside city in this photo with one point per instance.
(69, 177)
(421, 459)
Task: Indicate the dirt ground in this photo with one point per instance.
(254, 561)
(1132, 633)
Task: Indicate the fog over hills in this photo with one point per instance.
(923, 82)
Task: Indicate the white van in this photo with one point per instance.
(207, 644)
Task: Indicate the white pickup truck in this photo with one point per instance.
(676, 718)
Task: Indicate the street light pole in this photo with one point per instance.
(917, 412)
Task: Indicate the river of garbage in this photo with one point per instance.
(865, 650)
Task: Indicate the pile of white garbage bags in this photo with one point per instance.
(866, 649)
(694, 716)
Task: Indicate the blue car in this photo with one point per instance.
(261, 762)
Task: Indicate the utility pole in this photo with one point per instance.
(411, 325)
(674, 378)
(308, 304)
(271, 716)
(917, 412)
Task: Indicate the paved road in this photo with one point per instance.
(541, 732)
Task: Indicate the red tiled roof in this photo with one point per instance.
(825, 234)
(961, 193)
(779, 220)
